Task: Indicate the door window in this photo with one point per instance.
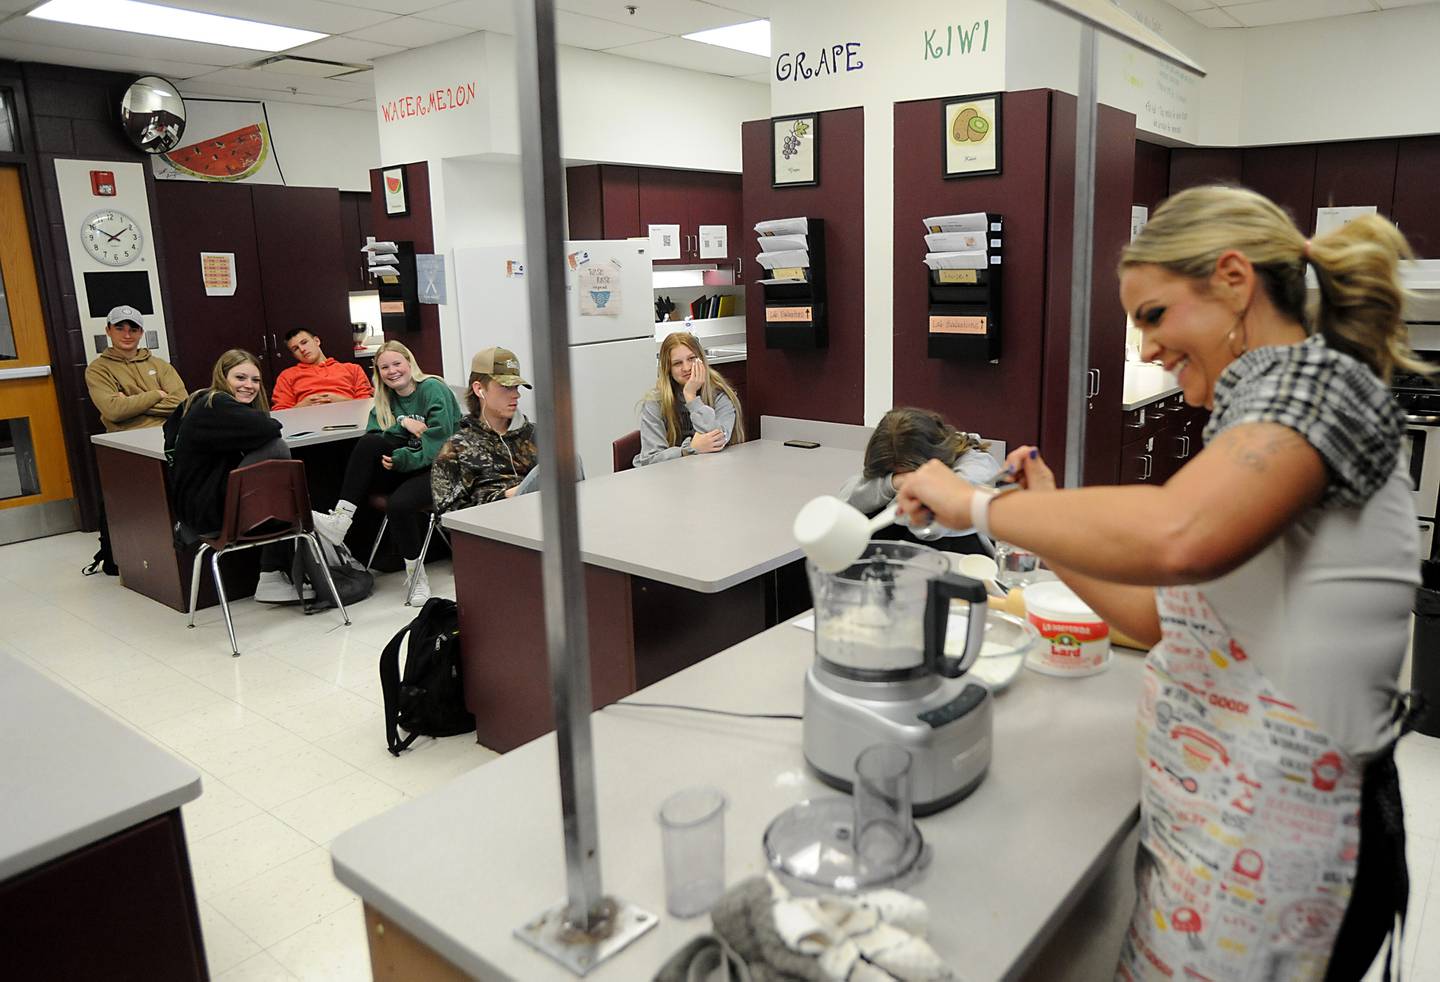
(19, 477)
(8, 351)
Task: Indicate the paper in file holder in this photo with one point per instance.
(964, 294)
(794, 295)
(392, 267)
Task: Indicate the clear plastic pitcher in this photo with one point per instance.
(883, 618)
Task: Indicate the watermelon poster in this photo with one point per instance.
(224, 141)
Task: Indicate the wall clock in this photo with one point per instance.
(112, 237)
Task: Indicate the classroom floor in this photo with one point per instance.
(290, 741)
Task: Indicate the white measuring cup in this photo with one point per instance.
(833, 533)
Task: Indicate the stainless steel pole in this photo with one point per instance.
(588, 927)
(1082, 262)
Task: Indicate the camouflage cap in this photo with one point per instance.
(500, 364)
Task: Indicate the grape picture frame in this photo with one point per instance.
(970, 136)
(795, 151)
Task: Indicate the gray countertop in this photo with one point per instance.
(1149, 397)
(463, 866)
(704, 523)
(311, 420)
(71, 774)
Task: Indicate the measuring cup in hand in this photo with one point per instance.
(833, 533)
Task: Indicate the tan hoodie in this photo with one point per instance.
(128, 392)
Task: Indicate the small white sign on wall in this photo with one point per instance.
(1139, 215)
(1329, 219)
(714, 241)
(664, 241)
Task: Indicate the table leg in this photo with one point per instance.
(502, 639)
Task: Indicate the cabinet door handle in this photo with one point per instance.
(1139, 423)
(1145, 459)
(1185, 446)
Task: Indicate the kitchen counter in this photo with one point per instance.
(71, 774)
(484, 853)
(1146, 382)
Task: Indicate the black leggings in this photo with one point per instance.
(408, 492)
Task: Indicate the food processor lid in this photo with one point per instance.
(813, 845)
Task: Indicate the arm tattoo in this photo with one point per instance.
(1255, 447)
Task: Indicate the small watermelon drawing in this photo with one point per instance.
(392, 184)
(231, 156)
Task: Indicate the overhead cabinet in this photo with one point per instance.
(615, 202)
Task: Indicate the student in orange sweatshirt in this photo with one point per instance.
(316, 378)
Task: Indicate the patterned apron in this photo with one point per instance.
(1249, 816)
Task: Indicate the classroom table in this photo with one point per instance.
(682, 559)
(446, 878)
(137, 500)
(94, 877)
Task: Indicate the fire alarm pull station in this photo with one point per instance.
(102, 183)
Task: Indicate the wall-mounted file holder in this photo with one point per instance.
(965, 308)
(794, 311)
(400, 300)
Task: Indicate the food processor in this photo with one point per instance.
(881, 674)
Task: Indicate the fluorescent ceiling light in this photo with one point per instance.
(171, 22)
(752, 36)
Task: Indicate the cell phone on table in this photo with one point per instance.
(296, 436)
(341, 426)
(802, 444)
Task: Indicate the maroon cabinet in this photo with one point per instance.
(1417, 194)
(290, 271)
(1359, 173)
(355, 226)
(608, 201)
(1285, 175)
(1191, 167)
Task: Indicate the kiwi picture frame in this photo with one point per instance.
(980, 151)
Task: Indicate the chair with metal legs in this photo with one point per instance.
(264, 503)
(381, 504)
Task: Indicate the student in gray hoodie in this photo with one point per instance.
(902, 442)
(691, 410)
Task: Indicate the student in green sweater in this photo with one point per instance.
(413, 416)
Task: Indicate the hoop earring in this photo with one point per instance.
(1244, 339)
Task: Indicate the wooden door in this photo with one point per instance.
(34, 471)
(715, 200)
(1417, 194)
(302, 270)
(202, 217)
(664, 198)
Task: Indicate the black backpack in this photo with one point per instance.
(352, 581)
(430, 699)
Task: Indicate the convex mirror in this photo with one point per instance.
(153, 114)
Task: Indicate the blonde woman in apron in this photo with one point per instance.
(1273, 575)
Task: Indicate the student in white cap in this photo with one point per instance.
(131, 387)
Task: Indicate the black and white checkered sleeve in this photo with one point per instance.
(1334, 401)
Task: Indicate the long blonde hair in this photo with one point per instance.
(664, 392)
(384, 412)
(219, 382)
(1356, 265)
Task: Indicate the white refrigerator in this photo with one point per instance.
(609, 295)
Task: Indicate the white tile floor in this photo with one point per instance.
(290, 741)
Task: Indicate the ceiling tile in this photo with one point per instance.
(695, 56)
(1189, 5)
(478, 15)
(581, 31)
(344, 90)
(755, 8)
(393, 6)
(48, 54)
(346, 49)
(1268, 12)
(124, 43)
(671, 17)
(411, 32)
(1215, 18)
(308, 15)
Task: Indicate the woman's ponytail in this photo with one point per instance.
(1361, 299)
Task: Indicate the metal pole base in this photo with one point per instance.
(578, 950)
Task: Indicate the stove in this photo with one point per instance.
(1419, 396)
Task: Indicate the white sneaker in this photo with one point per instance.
(275, 587)
(419, 584)
(332, 525)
